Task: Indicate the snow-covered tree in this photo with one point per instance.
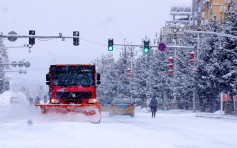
(216, 71)
(120, 68)
(4, 82)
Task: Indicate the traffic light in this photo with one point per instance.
(76, 40)
(32, 39)
(110, 44)
(146, 46)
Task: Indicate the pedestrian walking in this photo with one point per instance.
(153, 106)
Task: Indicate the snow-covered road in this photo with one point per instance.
(30, 129)
(23, 126)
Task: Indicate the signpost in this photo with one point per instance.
(162, 46)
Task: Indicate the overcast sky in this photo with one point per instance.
(96, 20)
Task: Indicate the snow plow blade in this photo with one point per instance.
(90, 110)
(86, 109)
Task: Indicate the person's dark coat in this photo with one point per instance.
(154, 104)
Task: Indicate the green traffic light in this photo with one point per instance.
(110, 48)
(146, 50)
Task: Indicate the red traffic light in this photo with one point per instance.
(192, 54)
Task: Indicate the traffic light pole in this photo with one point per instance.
(37, 36)
(153, 46)
(12, 36)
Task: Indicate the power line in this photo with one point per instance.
(44, 39)
(93, 42)
(17, 47)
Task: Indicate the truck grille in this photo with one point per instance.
(73, 95)
(73, 101)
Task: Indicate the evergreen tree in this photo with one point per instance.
(4, 82)
(120, 68)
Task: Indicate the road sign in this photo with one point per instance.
(12, 36)
(162, 46)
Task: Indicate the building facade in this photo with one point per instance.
(207, 10)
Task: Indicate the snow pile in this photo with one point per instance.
(5, 98)
(21, 110)
(219, 112)
(5, 101)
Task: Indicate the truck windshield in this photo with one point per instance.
(73, 79)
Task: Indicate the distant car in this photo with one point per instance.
(15, 100)
(105, 103)
(122, 106)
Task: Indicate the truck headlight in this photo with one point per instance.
(54, 101)
(92, 101)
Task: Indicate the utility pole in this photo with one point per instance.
(131, 82)
(195, 73)
(175, 61)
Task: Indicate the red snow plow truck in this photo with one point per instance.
(72, 88)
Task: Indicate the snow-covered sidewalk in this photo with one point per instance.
(216, 115)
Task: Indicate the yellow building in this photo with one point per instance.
(216, 9)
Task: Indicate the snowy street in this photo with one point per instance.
(118, 74)
(22, 128)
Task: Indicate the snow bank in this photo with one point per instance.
(9, 112)
(5, 101)
(5, 97)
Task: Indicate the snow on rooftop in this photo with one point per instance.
(181, 3)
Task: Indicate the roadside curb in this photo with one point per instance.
(217, 116)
